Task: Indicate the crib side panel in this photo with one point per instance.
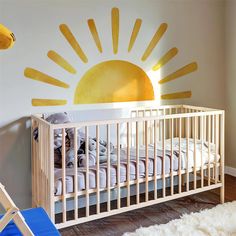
(42, 166)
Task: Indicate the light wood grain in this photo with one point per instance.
(145, 126)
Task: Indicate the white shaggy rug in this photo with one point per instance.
(218, 221)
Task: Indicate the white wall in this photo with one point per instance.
(196, 28)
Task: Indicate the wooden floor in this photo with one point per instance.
(157, 214)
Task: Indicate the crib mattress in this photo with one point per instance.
(186, 155)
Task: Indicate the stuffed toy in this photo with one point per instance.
(62, 118)
(58, 118)
(7, 38)
(92, 147)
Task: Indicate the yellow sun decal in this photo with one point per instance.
(112, 80)
(119, 81)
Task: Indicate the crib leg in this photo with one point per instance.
(222, 194)
(222, 189)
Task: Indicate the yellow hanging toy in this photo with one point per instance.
(7, 38)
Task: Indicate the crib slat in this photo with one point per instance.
(36, 159)
(33, 166)
(147, 161)
(195, 153)
(144, 128)
(108, 170)
(51, 178)
(42, 170)
(213, 129)
(169, 122)
(192, 126)
(204, 141)
(171, 158)
(222, 158)
(87, 169)
(155, 159)
(44, 167)
(39, 163)
(201, 135)
(176, 123)
(209, 151)
(75, 176)
(64, 175)
(137, 163)
(216, 146)
(151, 128)
(187, 156)
(180, 156)
(48, 169)
(128, 164)
(213, 139)
(118, 165)
(163, 158)
(131, 131)
(205, 128)
(184, 127)
(98, 168)
(158, 126)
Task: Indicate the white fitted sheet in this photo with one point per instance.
(81, 171)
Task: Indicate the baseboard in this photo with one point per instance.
(230, 171)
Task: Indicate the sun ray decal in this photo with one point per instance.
(40, 76)
(115, 28)
(112, 80)
(165, 59)
(94, 32)
(73, 42)
(178, 95)
(48, 102)
(179, 73)
(157, 36)
(134, 34)
(60, 61)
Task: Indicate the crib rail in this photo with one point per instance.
(166, 153)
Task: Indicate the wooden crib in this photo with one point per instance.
(145, 128)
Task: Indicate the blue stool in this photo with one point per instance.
(38, 222)
(31, 222)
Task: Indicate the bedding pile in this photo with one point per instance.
(62, 118)
(184, 150)
(81, 171)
